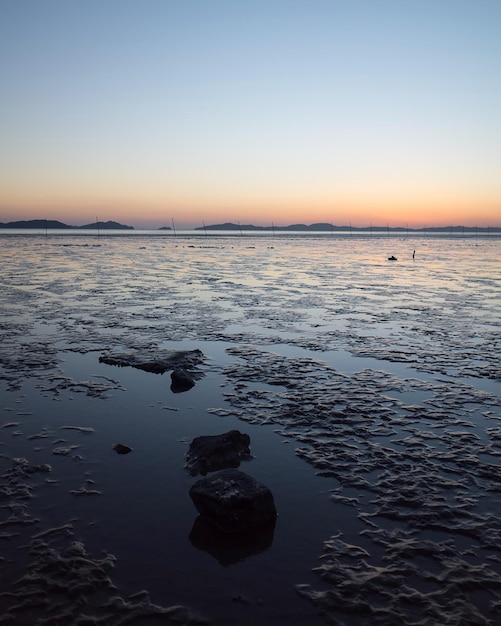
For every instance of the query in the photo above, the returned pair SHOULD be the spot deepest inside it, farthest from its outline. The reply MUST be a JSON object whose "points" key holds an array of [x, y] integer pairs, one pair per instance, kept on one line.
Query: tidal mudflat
{"points": [[370, 391]]}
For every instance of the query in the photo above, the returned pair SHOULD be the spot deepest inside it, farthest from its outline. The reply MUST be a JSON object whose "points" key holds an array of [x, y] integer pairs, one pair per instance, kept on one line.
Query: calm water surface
{"points": [[350, 373]]}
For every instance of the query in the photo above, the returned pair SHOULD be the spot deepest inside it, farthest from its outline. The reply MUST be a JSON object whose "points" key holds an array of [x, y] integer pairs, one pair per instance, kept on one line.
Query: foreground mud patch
{"points": [[423, 481], [57, 581]]}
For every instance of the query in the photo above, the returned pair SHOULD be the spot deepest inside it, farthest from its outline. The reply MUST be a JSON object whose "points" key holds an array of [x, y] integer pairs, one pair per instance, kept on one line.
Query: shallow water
{"points": [[370, 390]]}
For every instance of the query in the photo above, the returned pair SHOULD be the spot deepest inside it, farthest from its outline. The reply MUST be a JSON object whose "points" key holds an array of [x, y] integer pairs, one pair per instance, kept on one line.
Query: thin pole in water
{"points": [[239, 228], [97, 225], [173, 227], [205, 229], [46, 227], [273, 228]]}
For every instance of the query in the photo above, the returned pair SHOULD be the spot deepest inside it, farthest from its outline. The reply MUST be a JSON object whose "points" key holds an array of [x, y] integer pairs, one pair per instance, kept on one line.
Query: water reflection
{"points": [[229, 549], [376, 371]]}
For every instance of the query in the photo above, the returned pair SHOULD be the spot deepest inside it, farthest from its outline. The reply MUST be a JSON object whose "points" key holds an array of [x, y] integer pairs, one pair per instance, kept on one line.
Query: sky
{"points": [[265, 111]]}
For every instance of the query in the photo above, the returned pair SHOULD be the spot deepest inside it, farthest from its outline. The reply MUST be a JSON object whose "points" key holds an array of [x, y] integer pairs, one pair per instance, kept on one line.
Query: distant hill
{"points": [[322, 227], [230, 226], [107, 226], [292, 227], [35, 224], [56, 224]]}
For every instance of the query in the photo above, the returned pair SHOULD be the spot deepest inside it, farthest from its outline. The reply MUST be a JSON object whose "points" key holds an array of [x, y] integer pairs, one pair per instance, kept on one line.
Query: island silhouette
{"points": [[229, 226]]}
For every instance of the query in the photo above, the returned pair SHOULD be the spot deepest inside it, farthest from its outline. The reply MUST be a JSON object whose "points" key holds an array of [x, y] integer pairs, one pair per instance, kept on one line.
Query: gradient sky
{"points": [[144, 111]]}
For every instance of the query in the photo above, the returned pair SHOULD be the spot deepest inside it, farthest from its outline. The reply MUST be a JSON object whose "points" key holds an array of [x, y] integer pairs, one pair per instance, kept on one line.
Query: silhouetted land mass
{"points": [[322, 227], [229, 226], [34, 224], [57, 224], [107, 226]]}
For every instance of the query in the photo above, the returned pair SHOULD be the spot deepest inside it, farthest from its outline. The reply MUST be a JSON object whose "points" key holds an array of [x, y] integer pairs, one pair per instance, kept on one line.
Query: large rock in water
{"points": [[215, 452], [157, 362], [233, 501]]}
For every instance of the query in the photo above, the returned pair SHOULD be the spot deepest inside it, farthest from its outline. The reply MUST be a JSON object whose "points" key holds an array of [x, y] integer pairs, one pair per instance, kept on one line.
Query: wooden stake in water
{"points": [[240, 228], [173, 227], [205, 229], [97, 225], [46, 227]]}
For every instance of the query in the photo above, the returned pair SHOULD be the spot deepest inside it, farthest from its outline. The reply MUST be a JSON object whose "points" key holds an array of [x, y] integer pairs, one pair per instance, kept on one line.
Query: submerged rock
{"points": [[233, 501], [209, 453], [181, 381], [158, 362]]}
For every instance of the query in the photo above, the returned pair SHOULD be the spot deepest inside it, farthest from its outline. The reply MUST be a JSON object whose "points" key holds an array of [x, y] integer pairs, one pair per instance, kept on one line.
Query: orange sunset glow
{"points": [[272, 114]]}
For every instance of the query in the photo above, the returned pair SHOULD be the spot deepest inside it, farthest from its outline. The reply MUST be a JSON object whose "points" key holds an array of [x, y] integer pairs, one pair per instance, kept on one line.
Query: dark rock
{"points": [[233, 501], [215, 452], [120, 448], [181, 381], [43, 467], [392, 258], [157, 362]]}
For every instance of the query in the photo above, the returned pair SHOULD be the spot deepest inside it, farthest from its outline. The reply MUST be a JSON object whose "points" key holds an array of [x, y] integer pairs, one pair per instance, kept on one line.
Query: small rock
{"points": [[239, 597], [120, 448], [209, 453]]}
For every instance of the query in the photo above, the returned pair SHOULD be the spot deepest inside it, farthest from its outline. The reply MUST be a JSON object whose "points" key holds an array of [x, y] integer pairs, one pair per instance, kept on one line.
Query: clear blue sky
{"points": [[380, 110]]}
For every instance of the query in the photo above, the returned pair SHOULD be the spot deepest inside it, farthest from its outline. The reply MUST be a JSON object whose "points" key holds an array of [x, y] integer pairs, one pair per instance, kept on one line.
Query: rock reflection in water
{"points": [[229, 549]]}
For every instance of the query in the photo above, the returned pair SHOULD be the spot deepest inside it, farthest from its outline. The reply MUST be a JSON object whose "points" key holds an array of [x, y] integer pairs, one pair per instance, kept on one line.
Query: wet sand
{"points": [[371, 396]]}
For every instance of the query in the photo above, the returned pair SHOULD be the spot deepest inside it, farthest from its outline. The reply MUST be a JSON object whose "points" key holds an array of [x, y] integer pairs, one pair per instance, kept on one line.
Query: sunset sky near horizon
{"points": [[283, 111]]}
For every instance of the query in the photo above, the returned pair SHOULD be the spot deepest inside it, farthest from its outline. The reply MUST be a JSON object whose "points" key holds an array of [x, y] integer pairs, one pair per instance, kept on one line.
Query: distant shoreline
{"points": [[325, 227], [229, 226], [46, 224]]}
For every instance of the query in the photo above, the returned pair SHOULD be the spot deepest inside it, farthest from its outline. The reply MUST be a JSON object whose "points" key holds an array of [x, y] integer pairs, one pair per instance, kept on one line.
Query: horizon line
{"points": [[113, 225]]}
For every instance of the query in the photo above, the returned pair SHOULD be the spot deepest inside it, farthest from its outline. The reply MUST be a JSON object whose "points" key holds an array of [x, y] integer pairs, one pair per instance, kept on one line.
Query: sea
{"points": [[365, 368]]}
